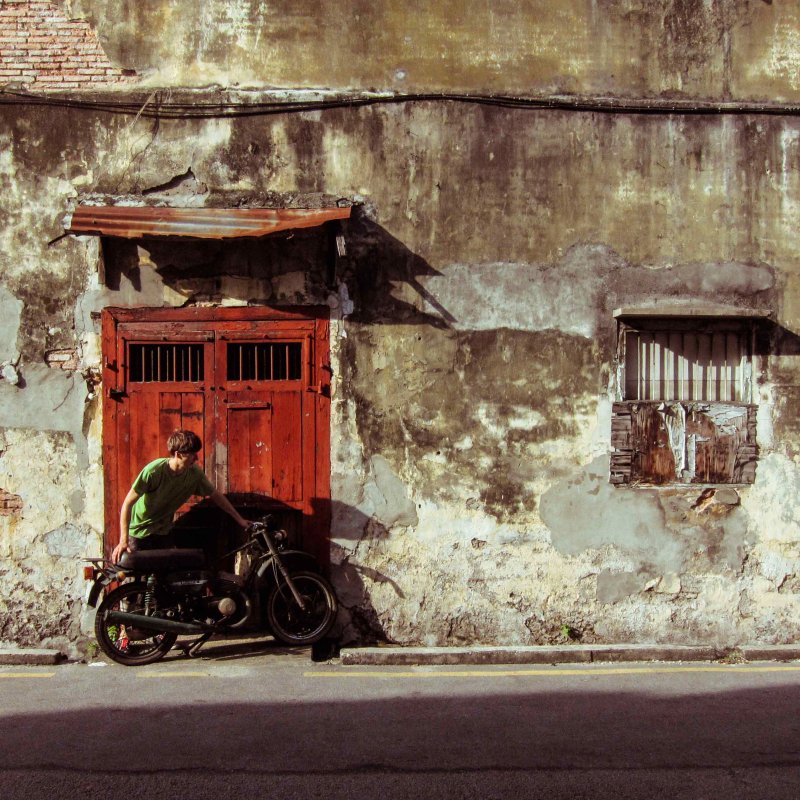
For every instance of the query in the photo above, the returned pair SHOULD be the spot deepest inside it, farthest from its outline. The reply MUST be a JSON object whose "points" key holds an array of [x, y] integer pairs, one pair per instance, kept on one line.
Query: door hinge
{"points": [[116, 394]]}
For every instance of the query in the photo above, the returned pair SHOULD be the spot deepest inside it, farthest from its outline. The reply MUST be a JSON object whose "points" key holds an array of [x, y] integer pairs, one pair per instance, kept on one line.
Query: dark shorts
{"points": [[165, 542]]}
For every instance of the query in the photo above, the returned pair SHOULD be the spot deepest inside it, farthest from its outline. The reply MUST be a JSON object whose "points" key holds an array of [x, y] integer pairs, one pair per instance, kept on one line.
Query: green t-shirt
{"points": [[161, 493]]}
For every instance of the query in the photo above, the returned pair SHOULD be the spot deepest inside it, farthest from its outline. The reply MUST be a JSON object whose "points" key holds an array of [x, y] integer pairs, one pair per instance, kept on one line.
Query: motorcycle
{"points": [[151, 597]]}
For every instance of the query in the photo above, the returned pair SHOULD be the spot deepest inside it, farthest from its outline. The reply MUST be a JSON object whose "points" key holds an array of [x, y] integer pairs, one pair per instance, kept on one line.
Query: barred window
{"points": [[685, 413], [162, 363], [265, 361], [711, 365]]}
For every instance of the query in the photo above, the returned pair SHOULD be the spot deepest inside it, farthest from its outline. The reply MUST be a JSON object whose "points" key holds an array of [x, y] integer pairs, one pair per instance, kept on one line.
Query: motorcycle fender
{"points": [[94, 593]]}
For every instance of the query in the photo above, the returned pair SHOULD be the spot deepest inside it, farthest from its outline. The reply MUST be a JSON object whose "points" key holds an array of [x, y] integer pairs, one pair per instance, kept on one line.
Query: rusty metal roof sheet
{"points": [[134, 222]]}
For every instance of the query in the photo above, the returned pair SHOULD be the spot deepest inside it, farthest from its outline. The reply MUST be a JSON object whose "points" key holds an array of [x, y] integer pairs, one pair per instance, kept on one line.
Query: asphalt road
{"points": [[263, 722]]}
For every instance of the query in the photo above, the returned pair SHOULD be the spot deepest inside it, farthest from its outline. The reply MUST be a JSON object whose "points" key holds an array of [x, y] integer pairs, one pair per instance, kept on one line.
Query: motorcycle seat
{"points": [[163, 560]]}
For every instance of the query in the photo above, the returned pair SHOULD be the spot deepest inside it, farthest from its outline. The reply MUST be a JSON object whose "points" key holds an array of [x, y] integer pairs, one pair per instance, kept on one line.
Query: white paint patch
{"points": [[771, 503], [783, 59], [530, 297], [523, 418]]}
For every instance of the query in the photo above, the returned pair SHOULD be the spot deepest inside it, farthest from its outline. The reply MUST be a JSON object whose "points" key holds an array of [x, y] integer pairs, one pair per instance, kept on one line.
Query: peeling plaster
{"points": [[386, 497], [587, 513], [52, 400], [10, 315]]}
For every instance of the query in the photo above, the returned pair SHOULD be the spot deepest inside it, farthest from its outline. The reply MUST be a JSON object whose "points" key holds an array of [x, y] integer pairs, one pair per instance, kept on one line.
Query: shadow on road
{"points": [[411, 739]]}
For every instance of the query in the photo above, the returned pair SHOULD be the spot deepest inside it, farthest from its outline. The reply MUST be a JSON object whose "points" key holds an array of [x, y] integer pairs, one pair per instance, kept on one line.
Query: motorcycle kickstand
{"points": [[192, 649]]}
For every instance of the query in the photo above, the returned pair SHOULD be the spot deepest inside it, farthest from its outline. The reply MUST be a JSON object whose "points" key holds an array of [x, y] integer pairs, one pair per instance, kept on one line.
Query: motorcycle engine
{"points": [[226, 606]]}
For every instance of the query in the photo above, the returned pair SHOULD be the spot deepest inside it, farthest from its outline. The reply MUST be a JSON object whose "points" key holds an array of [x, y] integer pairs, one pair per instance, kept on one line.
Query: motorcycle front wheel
{"points": [[295, 625], [126, 644]]}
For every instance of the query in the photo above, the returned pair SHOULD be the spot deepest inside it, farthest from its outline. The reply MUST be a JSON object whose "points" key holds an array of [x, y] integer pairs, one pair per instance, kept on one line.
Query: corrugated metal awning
{"points": [[134, 222]]}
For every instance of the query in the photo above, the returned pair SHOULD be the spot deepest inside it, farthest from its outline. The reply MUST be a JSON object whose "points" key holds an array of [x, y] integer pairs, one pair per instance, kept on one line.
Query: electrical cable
{"points": [[156, 106]]}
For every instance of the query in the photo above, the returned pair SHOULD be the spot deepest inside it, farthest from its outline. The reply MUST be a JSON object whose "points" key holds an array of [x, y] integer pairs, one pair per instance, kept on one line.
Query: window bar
{"points": [[680, 366], [656, 373], [719, 360], [690, 354], [734, 346], [703, 365]]}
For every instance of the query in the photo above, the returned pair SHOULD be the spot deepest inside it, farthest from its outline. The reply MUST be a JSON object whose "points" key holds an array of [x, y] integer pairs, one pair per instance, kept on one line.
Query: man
{"points": [[161, 488]]}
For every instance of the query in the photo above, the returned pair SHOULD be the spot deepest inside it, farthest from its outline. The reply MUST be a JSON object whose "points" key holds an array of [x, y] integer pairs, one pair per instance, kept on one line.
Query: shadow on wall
{"points": [[351, 579], [198, 268], [210, 528]]}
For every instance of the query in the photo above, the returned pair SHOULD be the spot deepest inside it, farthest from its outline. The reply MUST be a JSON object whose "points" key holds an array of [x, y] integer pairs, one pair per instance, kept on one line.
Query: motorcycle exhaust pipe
{"points": [[157, 623]]}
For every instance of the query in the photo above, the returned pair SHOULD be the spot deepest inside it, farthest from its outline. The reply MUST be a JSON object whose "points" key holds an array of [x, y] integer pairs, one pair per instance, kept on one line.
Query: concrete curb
{"points": [[29, 656], [567, 654]]}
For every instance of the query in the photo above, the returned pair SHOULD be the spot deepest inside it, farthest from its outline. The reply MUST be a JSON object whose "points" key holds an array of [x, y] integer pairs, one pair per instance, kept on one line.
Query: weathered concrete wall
{"points": [[635, 48], [473, 337], [473, 354]]}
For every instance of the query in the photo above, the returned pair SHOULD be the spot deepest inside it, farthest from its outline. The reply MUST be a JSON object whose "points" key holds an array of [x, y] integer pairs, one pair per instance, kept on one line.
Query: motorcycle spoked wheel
{"points": [[125, 644], [292, 625]]}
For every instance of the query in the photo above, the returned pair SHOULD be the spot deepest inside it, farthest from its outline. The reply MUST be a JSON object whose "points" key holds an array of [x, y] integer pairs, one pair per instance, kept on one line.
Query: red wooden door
{"points": [[251, 382]]}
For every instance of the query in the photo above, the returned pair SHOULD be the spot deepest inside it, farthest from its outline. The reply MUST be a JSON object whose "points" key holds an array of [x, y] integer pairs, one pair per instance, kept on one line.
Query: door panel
{"points": [[287, 439], [249, 438]]}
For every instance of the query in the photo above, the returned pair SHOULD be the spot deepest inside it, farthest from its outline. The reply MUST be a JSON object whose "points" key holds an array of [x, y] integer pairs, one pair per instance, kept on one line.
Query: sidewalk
{"points": [[489, 654], [29, 656], [561, 654]]}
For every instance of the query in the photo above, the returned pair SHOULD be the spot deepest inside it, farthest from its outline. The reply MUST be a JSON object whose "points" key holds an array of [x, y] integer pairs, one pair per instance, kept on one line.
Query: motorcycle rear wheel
{"points": [[289, 622], [126, 645]]}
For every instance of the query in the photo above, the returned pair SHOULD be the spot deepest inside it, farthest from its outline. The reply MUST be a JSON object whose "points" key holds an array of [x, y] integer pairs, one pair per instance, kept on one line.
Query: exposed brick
{"points": [[40, 44], [10, 503], [62, 358]]}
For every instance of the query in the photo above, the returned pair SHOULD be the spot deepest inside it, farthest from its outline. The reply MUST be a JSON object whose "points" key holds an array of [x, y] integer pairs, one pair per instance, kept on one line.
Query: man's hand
{"points": [[116, 553]]}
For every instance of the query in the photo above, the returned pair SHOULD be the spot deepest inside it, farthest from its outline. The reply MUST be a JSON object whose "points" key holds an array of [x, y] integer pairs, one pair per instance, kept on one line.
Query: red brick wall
{"points": [[42, 49], [9, 503]]}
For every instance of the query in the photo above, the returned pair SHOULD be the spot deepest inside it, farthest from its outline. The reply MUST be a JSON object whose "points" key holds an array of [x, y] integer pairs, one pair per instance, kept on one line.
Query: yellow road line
{"points": [[171, 674], [576, 672], [27, 674]]}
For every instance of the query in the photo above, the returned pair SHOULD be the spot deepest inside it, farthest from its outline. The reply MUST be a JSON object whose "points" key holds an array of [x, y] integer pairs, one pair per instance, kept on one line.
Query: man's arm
{"points": [[124, 521], [220, 500]]}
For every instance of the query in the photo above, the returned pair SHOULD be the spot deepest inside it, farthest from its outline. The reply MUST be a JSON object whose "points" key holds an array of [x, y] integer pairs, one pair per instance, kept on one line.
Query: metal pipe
{"points": [[157, 623]]}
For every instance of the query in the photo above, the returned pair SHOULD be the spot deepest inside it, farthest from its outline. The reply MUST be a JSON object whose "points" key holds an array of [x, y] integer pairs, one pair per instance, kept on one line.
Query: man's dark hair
{"points": [[184, 442]]}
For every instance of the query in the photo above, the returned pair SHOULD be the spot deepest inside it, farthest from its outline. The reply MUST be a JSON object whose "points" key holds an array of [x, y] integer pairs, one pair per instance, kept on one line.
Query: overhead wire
{"points": [[166, 107]]}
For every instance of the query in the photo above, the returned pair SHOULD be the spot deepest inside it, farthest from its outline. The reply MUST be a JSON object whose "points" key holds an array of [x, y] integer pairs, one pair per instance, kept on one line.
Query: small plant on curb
{"points": [[570, 634], [91, 651], [733, 656]]}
